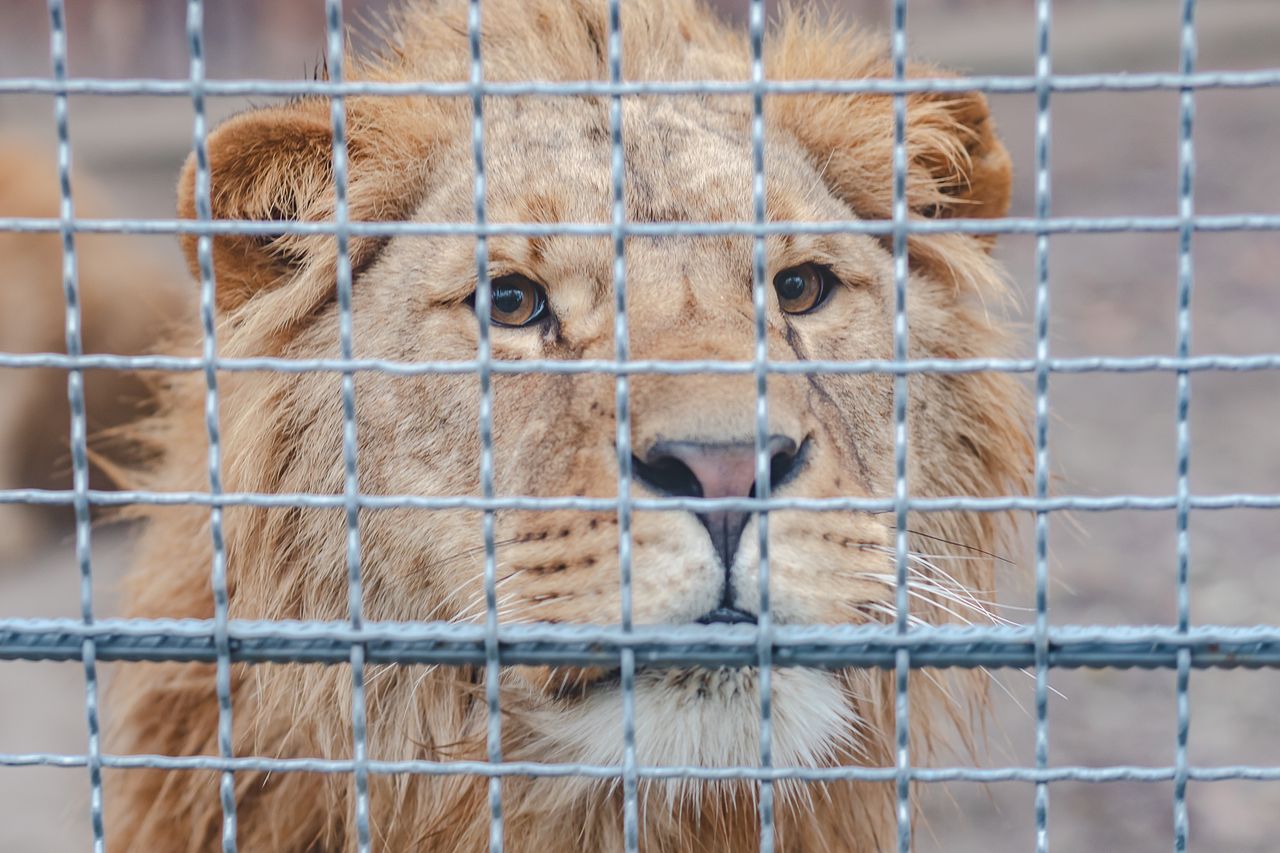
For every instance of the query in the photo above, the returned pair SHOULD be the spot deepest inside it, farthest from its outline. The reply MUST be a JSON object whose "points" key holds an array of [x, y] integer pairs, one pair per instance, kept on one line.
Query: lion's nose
{"points": [[715, 470]]}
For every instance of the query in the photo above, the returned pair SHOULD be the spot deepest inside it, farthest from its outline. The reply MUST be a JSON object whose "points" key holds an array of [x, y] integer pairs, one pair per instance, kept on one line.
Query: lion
{"points": [[827, 158], [128, 296]]}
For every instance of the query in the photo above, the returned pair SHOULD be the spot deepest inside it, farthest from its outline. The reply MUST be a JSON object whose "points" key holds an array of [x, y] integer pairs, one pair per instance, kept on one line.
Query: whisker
{"points": [[955, 544], [926, 584], [461, 587], [958, 558], [478, 603], [953, 590], [920, 559], [478, 599], [1005, 690], [966, 594], [889, 611], [1029, 674], [467, 552], [942, 689]]}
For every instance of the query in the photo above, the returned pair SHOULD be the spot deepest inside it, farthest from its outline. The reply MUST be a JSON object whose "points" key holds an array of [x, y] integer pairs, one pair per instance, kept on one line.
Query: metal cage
{"points": [[899, 646]]}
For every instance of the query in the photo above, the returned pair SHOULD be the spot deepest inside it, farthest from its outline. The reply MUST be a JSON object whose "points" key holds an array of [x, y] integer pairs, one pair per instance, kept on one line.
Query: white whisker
{"points": [[1006, 690], [435, 611], [920, 589], [1029, 674]]}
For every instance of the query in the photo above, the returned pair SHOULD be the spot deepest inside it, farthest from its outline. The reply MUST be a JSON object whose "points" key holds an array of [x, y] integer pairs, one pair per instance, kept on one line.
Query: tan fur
{"points": [[687, 159], [127, 301]]}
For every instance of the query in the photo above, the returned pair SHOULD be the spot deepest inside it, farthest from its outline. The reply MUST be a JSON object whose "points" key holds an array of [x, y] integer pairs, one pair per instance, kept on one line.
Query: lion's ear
{"points": [[273, 164], [957, 166], [975, 178], [276, 165]]}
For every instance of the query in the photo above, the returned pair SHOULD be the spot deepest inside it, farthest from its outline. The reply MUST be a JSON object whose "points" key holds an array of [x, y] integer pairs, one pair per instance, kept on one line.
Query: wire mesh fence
{"points": [[899, 646]]}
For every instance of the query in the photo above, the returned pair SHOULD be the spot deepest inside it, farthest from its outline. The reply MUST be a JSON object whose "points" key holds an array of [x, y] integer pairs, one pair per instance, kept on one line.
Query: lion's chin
{"points": [[703, 718]]}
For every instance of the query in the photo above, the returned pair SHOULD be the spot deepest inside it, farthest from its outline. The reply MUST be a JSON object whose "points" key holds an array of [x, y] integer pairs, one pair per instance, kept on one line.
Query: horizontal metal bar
{"points": [[1001, 84], [728, 228], [1088, 364], [983, 775], [655, 646], [1011, 503]]}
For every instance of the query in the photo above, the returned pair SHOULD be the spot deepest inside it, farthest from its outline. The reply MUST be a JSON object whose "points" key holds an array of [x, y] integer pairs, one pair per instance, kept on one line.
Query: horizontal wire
{"points": [[1073, 773], [727, 635], [1136, 223], [1085, 364], [820, 646], [995, 83], [303, 500]]}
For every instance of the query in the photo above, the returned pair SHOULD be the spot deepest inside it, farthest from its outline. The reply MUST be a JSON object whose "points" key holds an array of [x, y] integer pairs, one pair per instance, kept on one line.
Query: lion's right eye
{"points": [[516, 300], [804, 288]]}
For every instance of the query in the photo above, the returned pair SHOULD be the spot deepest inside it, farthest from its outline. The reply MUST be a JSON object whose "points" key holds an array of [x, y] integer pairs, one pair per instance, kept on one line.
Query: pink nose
{"points": [[718, 470], [712, 470]]}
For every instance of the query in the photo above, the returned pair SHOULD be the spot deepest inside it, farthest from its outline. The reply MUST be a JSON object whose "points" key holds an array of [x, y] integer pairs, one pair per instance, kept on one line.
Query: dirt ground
{"points": [[1112, 154]]}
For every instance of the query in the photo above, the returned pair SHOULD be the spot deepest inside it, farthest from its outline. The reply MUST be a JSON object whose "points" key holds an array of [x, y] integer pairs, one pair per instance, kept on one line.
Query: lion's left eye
{"points": [[804, 288]]}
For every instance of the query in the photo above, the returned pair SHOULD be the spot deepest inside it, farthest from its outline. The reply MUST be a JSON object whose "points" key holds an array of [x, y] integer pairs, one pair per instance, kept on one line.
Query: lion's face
{"points": [[688, 298], [829, 296]]}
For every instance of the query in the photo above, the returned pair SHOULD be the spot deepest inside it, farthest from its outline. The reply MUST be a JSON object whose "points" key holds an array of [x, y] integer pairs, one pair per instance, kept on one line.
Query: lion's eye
{"points": [[516, 301], [802, 289]]}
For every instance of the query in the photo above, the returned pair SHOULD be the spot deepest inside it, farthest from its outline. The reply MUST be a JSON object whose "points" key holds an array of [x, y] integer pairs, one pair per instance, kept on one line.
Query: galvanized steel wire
{"points": [[900, 646]]}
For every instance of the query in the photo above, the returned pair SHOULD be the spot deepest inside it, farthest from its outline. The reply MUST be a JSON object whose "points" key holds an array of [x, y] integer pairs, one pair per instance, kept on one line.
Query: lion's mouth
{"points": [[593, 679], [699, 682], [726, 616]]}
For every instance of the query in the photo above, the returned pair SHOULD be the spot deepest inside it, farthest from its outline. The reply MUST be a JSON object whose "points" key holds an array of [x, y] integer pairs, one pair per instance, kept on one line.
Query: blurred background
{"points": [[1113, 294]]}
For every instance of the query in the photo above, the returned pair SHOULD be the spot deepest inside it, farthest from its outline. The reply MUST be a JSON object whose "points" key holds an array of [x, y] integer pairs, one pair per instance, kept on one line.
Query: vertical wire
{"points": [[902, 659], [208, 320], [351, 483], [1186, 209], [75, 397], [622, 395], [484, 354], [1044, 20], [764, 633]]}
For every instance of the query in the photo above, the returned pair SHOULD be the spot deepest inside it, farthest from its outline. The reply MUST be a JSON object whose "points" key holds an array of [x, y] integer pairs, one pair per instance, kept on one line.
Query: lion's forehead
{"points": [[690, 160]]}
